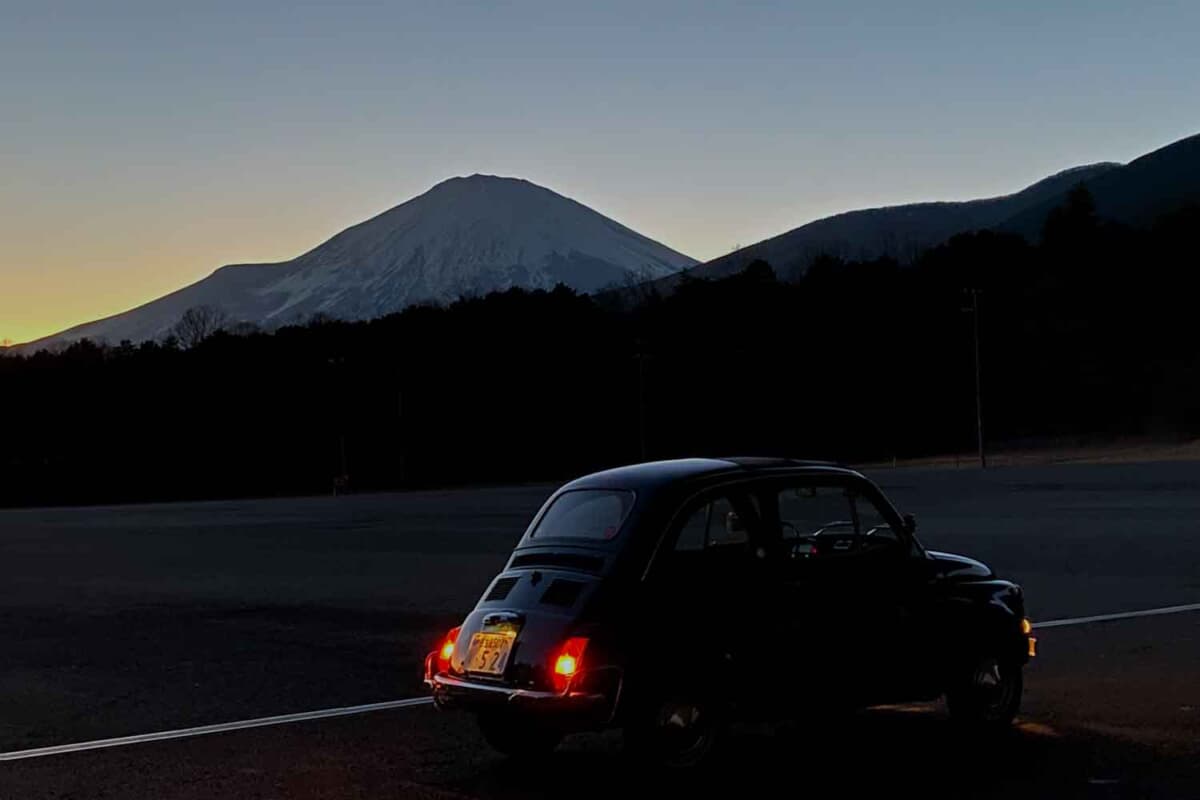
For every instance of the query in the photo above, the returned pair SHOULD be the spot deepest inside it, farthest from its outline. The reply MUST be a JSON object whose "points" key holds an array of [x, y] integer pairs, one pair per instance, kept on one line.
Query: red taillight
{"points": [[446, 651], [568, 662]]}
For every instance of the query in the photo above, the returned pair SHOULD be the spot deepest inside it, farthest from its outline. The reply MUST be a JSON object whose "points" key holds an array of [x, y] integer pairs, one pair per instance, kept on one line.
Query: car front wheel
{"points": [[518, 737], [987, 693]]}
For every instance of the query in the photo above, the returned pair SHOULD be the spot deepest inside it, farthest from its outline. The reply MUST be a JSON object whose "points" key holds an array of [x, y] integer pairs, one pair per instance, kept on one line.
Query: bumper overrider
{"points": [[454, 692]]}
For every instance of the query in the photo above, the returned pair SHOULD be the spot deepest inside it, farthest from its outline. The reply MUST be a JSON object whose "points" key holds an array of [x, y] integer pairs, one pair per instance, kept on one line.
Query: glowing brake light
{"points": [[566, 665], [447, 650], [568, 661]]}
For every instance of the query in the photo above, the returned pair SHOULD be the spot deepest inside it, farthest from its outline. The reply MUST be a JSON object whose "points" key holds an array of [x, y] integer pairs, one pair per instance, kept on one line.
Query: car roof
{"points": [[655, 474]]}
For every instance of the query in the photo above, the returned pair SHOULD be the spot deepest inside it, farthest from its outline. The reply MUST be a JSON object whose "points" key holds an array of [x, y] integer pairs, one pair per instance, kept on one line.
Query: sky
{"points": [[145, 144]]}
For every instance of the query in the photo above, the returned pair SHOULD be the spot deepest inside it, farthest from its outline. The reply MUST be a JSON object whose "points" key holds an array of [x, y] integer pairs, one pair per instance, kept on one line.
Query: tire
{"points": [[986, 694], [517, 737], [677, 732]]}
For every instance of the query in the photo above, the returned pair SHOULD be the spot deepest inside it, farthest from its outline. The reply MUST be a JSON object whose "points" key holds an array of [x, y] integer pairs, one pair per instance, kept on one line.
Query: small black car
{"points": [[671, 597]]}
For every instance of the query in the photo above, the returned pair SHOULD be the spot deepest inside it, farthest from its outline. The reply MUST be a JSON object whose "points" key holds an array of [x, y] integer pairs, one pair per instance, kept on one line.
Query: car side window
{"points": [[810, 510], [715, 523], [694, 533], [873, 526], [819, 521]]}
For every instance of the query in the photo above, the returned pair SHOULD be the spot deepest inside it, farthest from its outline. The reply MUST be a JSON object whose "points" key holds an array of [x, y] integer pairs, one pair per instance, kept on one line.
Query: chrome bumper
{"points": [[452, 692]]}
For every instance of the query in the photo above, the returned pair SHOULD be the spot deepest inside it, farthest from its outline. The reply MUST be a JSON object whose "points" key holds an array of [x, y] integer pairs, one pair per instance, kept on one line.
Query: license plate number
{"points": [[488, 653]]}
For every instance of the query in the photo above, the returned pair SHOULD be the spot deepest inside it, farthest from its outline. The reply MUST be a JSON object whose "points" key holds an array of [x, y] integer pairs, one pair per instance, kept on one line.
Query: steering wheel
{"points": [[829, 527], [829, 531]]}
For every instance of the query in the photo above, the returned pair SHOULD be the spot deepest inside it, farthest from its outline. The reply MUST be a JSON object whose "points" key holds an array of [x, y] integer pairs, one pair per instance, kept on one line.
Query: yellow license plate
{"points": [[488, 653]]}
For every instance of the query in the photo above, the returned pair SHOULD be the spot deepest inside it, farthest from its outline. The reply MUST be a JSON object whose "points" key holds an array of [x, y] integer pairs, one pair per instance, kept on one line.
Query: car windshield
{"points": [[585, 514]]}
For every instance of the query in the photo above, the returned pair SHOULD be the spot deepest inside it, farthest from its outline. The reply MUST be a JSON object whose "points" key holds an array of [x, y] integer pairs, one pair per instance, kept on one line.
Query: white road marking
{"points": [[262, 722], [1150, 612], [184, 733]]}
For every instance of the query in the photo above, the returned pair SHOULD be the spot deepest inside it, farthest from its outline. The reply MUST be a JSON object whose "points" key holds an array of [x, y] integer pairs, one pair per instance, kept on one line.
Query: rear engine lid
{"points": [[554, 591], [519, 624]]}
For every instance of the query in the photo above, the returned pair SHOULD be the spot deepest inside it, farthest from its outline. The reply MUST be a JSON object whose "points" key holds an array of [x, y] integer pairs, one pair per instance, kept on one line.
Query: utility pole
{"points": [[978, 377]]}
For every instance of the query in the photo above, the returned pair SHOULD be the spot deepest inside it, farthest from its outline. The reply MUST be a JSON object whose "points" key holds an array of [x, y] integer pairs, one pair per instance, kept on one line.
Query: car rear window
{"points": [[585, 514]]}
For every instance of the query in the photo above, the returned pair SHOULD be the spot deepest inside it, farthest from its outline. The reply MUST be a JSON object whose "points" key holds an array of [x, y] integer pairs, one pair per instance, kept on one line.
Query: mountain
{"points": [[468, 235], [897, 231], [1136, 194]]}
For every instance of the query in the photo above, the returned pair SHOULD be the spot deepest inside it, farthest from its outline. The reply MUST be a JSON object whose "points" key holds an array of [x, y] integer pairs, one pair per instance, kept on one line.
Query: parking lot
{"points": [[126, 620]]}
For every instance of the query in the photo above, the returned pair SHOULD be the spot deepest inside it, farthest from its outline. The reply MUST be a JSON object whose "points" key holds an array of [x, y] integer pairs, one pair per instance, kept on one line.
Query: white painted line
{"points": [[203, 730], [1150, 612]]}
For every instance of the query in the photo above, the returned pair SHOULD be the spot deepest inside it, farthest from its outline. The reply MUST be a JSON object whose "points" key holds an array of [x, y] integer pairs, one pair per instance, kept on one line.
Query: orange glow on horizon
{"points": [[58, 275]]}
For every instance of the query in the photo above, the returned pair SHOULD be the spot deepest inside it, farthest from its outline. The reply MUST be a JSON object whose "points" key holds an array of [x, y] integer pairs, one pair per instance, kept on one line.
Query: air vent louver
{"points": [[500, 589], [561, 593]]}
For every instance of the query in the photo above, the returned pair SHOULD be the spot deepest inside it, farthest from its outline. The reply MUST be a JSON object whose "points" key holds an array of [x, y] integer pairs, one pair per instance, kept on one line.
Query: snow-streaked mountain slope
{"points": [[464, 236]]}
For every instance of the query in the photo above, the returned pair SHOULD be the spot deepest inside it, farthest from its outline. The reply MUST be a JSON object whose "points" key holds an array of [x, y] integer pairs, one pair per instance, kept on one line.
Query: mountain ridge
{"points": [[468, 235], [465, 235], [1135, 193], [1163, 180], [899, 231]]}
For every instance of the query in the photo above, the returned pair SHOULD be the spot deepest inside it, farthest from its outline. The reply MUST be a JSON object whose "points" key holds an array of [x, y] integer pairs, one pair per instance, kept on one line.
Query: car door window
{"points": [[713, 524], [874, 528], [820, 521], [806, 511]]}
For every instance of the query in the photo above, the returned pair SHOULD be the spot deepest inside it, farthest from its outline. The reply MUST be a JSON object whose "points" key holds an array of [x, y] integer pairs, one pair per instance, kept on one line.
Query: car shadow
{"points": [[910, 751]]}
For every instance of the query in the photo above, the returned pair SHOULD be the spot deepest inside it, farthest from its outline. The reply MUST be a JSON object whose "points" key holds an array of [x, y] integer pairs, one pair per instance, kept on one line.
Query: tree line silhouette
{"points": [[1089, 331]]}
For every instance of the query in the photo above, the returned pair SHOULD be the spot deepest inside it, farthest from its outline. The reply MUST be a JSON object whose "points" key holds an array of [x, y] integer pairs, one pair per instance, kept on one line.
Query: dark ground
{"points": [[121, 620]]}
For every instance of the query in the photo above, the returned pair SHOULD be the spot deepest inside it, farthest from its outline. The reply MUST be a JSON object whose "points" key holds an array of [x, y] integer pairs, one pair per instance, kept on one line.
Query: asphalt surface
{"points": [[126, 620]]}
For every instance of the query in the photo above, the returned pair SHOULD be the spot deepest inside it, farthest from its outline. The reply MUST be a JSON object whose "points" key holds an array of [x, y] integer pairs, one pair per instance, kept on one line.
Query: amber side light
{"points": [[1026, 627]]}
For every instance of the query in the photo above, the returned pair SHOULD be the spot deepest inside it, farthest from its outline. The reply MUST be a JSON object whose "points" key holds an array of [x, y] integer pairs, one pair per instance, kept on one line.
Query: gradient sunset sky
{"points": [[144, 144]]}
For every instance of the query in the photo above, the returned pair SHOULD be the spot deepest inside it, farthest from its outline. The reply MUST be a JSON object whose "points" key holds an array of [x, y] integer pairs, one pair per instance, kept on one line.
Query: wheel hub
{"points": [[681, 717], [988, 676]]}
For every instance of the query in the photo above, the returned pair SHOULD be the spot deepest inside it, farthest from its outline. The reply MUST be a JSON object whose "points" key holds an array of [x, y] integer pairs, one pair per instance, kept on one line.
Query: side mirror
{"points": [[910, 524]]}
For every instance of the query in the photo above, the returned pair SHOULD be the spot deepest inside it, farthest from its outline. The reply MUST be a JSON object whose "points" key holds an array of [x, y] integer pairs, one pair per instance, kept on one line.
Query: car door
{"points": [[844, 589], [708, 594], [893, 580]]}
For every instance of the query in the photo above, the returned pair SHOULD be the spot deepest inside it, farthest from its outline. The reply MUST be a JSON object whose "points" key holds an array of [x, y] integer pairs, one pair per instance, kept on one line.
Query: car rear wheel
{"points": [[987, 693], [678, 732], [518, 737]]}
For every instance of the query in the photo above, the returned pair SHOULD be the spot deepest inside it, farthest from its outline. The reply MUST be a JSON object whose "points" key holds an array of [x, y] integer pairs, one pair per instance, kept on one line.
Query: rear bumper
{"points": [[571, 708], [451, 692]]}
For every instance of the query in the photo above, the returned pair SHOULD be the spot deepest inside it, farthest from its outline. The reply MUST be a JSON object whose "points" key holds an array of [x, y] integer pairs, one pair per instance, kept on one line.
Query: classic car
{"points": [[670, 598]]}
